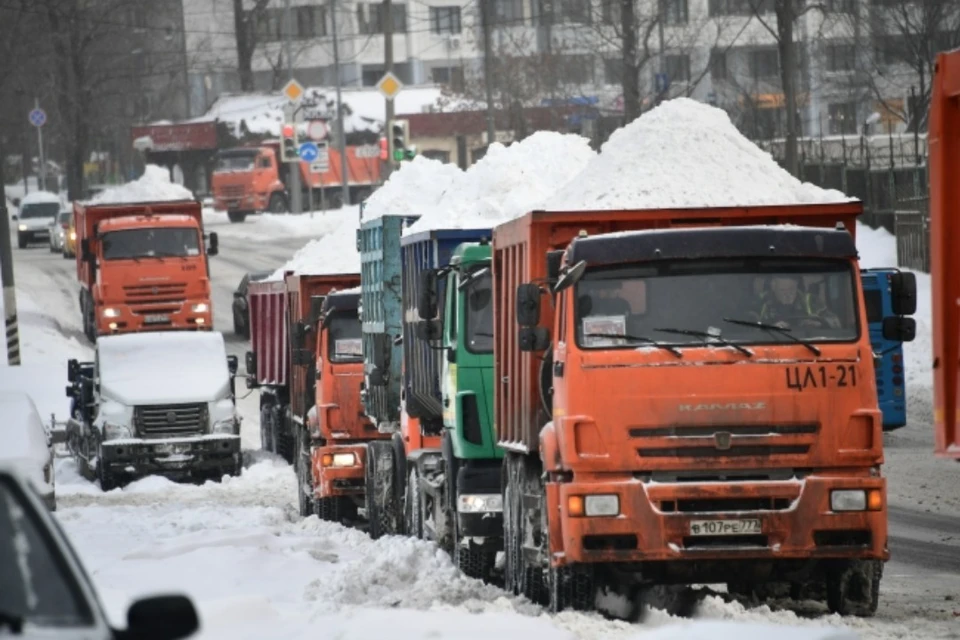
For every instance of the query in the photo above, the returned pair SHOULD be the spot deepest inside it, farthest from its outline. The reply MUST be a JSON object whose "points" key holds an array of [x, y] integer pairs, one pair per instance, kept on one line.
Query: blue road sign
{"points": [[38, 117], [309, 151]]}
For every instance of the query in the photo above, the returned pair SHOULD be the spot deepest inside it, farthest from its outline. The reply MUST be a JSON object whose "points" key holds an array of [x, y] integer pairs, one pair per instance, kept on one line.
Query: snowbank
{"points": [[683, 153], [21, 428], [507, 182], [418, 187], [335, 253], [153, 186]]}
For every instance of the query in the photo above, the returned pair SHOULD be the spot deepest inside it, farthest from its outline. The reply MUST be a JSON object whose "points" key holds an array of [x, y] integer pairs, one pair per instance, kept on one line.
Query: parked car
{"points": [[26, 444], [38, 210], [241, 310], [45, 591], [59, 229]]}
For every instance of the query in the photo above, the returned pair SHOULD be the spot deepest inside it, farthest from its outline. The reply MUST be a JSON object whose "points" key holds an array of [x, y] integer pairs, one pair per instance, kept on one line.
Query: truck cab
{"points": [[247, 180]]}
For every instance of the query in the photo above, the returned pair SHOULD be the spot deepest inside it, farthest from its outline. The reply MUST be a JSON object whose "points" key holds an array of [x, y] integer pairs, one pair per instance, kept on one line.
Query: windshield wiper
{"points": [[705, 335], [772, 327], [627, 336], [11, 621]]}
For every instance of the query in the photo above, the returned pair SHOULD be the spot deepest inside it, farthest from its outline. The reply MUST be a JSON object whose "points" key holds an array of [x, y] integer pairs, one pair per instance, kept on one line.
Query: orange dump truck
{"points": [[143, 267], [944, 140], [252, 179], [687, 396]]}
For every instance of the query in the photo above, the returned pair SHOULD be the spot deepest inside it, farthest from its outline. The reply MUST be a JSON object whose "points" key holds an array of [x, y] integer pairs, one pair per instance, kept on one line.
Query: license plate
{"points": [[724, 527], [233, 205], [156, 318]]}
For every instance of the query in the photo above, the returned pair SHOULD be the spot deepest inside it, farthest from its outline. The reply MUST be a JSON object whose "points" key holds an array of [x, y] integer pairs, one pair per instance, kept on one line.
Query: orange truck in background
{"points": [[663, 429], [250, 180], [143, 267], [944, 163]]}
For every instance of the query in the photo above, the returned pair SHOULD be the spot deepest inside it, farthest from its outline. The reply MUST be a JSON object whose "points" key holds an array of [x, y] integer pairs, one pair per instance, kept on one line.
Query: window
{"points": [[841, 57], [841, 6], [450, 76], [843, 117], [309, 21], [436, 154], [576, 69], [445, 19], [740, 7], [344, 342], [479, 317], [159, 242], [508, 12], [370, 76], [676, 11], [372, 17], [890, 50], [718, 64], [873, 300], [678, 68], [764, 63], [547, 12], [613, 70], [610, 11]]}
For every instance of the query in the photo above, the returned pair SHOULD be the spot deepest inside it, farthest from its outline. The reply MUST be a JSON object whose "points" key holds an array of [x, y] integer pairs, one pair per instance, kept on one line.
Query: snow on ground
{"points": [[268, 226], [153, 186], [683, 153]]}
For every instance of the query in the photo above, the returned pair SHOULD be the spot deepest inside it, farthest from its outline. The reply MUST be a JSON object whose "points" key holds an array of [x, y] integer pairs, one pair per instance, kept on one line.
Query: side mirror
{"points": [[162, 617], [73, 370], [570, 276], [233, 363], [16, 203], [14, 217], [903, 285], [428, 330], [427, 296], [214, 244], [534, 339], [69, 390], [251, 363], [899, 329], [554, 260], [528, 305], [316, 307]]}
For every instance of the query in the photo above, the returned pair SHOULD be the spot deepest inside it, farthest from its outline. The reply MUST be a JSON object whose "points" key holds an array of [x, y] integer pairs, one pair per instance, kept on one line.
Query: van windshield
{"points": [[692, 302], [39, 210], [150, 243]]}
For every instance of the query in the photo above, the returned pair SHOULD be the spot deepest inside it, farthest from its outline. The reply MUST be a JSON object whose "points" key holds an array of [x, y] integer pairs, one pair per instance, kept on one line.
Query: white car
{"points": [[59, 229], [25, 443], [38, 210]]}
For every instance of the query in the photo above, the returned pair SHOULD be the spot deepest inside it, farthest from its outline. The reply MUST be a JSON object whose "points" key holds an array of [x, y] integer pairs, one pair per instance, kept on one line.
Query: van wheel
{"points": [[277, 204], [237, 216]]}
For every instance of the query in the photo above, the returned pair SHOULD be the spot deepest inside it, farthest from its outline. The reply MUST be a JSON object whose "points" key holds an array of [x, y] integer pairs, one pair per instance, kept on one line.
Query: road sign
{"points": [[389, 86], [309, 151], [317, 129], [322, 162], [293, 90], [38, 117]]}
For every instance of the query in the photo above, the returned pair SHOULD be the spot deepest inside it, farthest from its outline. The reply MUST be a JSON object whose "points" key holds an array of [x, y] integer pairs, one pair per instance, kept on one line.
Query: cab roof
{"points": [[140, 220]]}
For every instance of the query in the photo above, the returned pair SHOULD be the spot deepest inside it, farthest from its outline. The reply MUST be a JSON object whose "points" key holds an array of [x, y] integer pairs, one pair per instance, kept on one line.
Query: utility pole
{"points": [[661, 17], [341, 135], [294, 177], [43, 162], [487, 72], [388, 68], [6, 275]]}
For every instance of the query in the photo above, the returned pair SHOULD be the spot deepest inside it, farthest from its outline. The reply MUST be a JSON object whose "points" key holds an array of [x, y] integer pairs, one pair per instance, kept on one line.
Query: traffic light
{"points": [[289, 144], [400, 148], [384, 149]]}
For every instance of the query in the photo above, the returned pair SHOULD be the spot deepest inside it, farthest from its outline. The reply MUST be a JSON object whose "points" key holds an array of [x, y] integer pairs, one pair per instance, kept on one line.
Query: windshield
{"points": [[479, 321], [344, 338], [40, 210], [806, 299], [65, 217], [873, 300], [151, 243], [236, 162], [35, 583]]}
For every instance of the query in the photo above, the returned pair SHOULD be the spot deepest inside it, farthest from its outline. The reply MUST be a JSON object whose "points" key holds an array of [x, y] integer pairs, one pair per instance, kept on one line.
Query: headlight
{"points": [[481, 503], [338, 460], [73, 235], [22, 227], [200, 307], [224, 427], [116, 431], [594, 505], [110, 312], [856, 500]]}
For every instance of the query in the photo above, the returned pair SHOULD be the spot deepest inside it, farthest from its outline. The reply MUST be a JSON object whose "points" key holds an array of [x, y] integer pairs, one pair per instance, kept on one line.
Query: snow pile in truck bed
{"points": [[153, 186], [683, 153], [508, 181], [416, 188]]}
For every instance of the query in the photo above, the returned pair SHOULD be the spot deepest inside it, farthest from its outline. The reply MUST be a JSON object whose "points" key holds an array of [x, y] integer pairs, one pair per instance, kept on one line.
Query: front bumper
{"points": [[654, 523], [329, 481], [171, 456], [244, 203], [160, 317], [34, 235]]}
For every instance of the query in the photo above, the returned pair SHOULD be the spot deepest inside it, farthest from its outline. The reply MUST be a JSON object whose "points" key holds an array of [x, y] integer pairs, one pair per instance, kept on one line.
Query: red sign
{"points": [[178, 137]]}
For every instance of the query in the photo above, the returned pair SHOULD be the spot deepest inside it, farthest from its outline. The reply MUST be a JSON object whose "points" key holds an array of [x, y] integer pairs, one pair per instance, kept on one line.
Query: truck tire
{"points": [[329, 508], [108, 480], [237, 216], [285, 434], [522, 578], [412, 508], [383, 509], [266, 424], [853, 587], [277, 203], [302, 465], [472, 562], [572, 587]]}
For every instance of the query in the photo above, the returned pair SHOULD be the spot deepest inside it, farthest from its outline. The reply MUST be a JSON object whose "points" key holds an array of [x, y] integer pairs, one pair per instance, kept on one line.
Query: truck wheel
{"points": [[472, 561], [108, 480], [266, 425], [853, 588], [572, 587], [412, 512], [283, 434], [304, 476], [237, 216], [329, 508], [383, 510], [277, 204], [520, 577]]}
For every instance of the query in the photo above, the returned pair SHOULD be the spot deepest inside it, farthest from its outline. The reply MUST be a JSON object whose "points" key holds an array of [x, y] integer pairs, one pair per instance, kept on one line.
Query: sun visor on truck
{"points": [[347, 301], [713, 242]]}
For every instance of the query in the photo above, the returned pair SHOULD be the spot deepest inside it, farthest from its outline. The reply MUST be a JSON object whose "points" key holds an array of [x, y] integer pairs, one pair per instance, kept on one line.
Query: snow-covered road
{"points": [[256, 569]]}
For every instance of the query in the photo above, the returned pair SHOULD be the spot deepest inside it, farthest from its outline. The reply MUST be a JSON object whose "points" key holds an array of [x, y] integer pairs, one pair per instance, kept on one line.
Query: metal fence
{"points": [[912, 229]]}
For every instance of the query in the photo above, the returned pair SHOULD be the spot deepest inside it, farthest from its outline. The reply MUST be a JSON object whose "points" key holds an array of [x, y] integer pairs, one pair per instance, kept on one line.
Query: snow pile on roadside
{"points": [[416, 188], [333, 254], [683, 153], [153, 186], [508, 182], [270, 226]]}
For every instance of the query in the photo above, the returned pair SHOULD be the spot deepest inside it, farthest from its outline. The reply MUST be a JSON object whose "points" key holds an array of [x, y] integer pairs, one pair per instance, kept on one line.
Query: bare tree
{"points": [[247, 24]]}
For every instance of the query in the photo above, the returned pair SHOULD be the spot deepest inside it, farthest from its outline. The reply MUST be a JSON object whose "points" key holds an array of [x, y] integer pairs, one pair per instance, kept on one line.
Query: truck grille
{"points": [[233, 191], [708, 441], [165, 292], [166, 420]]}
